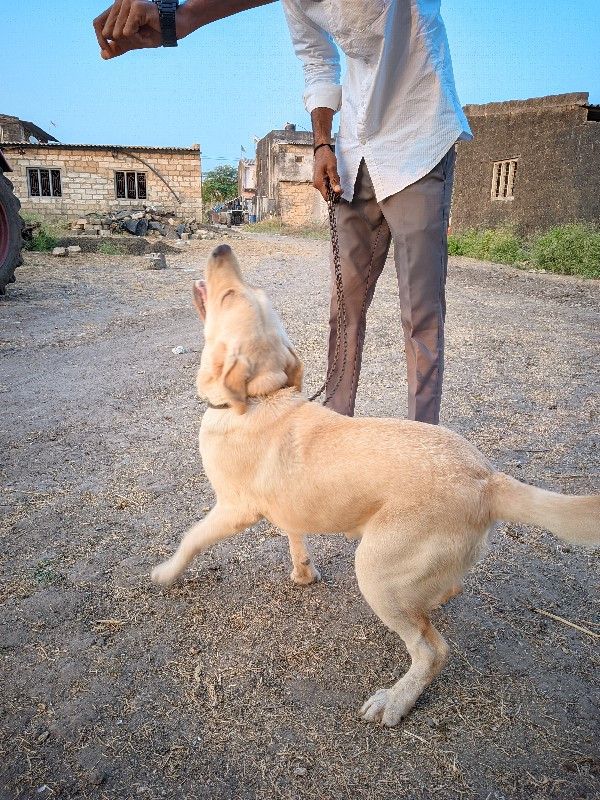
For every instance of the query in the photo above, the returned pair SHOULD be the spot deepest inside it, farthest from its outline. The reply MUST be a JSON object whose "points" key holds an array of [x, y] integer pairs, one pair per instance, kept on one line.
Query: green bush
{"points": [[572, 249], [502, 245], [111, 249], [41, 235], [42, 241]]}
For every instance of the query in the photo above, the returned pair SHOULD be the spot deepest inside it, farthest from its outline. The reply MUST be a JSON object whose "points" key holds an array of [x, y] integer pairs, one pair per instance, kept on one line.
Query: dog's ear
{"points": [[236, 374], [199, 295], [294, 371]]}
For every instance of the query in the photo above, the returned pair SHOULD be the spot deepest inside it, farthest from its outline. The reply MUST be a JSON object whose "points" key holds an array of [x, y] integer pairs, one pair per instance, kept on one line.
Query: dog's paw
{"points": [[164, 574], [306, 575], [388, 706], [373, 709]]}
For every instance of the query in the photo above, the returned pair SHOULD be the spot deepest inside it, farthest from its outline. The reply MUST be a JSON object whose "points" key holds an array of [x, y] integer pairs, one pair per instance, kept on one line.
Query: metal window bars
{"points": [[503, 179]]}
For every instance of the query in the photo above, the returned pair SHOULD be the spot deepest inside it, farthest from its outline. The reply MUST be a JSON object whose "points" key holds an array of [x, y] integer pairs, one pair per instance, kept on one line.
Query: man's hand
{"points": [[325, 166], [127, 25], [325, 172], [135, 24]]}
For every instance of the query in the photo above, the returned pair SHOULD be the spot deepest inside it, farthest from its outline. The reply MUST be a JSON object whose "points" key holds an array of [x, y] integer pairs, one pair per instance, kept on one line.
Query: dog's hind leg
{"points": [[221, 522], [454, 591], [401, 598], [304, 571]]}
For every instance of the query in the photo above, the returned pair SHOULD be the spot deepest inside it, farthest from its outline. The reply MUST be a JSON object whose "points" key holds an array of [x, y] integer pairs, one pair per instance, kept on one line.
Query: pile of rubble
{"points": [[146, 221]]}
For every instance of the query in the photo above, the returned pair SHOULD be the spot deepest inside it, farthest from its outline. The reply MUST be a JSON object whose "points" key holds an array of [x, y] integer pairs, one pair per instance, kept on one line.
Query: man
{"points": [[393, 165]]}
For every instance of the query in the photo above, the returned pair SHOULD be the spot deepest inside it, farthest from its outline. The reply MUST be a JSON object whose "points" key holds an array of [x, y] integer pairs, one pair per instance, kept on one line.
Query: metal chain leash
{"points": [[332, 200], [341, 327]]}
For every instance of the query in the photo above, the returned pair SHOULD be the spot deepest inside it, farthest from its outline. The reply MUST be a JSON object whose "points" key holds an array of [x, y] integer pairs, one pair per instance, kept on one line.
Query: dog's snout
{"points": [[221, 250]]}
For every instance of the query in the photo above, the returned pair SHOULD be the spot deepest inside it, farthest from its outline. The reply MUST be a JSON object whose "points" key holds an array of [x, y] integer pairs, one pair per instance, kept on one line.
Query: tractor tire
{"points": [[11, 227]]}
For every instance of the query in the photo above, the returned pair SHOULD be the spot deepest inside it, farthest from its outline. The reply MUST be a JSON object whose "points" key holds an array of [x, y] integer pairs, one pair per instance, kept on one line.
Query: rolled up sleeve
{"points": [[320, 60]]}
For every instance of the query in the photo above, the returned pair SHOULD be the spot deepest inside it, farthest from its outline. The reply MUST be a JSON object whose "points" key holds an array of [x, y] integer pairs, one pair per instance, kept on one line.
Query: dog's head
{"points": [[246, 351]]}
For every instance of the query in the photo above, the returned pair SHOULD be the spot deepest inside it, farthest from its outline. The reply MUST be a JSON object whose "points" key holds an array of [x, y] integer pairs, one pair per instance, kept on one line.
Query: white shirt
{"points": [[399, 107]]}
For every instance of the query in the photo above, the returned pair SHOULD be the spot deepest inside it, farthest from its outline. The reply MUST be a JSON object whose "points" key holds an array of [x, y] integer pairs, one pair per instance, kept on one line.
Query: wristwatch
{"points": [[166, 13]]}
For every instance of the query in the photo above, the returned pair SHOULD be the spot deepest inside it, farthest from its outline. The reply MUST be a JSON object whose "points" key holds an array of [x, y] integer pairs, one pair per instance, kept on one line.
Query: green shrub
{"points": [[111, 249], [41, 235], [42, 241], [502, 245], [572, 249]]}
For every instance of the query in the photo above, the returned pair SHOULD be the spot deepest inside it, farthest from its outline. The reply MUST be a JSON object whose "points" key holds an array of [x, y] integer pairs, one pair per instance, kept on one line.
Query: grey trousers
{"points": [[417, 220]]}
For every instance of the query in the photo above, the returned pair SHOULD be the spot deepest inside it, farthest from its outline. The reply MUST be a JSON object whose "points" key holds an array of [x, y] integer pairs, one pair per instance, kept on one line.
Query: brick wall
{"points": [[300, 204], [88, 178]]}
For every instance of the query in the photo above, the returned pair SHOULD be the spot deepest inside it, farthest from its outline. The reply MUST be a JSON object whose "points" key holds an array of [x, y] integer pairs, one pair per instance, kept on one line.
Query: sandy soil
{"points": [[235, 684]]}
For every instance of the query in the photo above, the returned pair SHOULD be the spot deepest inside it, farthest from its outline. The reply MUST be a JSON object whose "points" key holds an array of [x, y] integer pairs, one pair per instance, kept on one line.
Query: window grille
{"points": [[44, 182], [503, 179], [130, 185]]}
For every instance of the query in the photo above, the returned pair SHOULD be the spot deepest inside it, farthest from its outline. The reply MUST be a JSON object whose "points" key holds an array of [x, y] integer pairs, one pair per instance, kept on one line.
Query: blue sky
{"points": [[239, 78]]}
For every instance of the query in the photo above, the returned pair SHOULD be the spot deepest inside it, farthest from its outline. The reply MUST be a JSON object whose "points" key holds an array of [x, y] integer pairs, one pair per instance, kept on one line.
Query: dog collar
{"points": [[217, 408]]}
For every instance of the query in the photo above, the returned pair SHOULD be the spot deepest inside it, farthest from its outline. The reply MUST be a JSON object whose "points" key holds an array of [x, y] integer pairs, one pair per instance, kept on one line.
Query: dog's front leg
{"points": [[304, 572], [221, 522]]}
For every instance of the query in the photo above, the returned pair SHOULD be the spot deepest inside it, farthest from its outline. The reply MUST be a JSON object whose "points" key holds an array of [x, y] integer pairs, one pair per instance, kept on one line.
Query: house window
{"points": [[130, 185], [44, 182], [503, 179]]}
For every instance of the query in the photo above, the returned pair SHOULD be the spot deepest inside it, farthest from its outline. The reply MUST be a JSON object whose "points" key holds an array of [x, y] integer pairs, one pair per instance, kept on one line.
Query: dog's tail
{"points": [[574, 519]]}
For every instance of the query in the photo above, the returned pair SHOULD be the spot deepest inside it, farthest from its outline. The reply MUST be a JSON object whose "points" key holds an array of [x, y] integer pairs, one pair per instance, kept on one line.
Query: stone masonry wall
{"points": [[557, 148], [88, 178]]}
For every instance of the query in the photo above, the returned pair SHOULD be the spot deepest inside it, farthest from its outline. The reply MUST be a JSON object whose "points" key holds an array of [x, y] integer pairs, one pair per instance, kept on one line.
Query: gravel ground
{"points": [[235, 684]]}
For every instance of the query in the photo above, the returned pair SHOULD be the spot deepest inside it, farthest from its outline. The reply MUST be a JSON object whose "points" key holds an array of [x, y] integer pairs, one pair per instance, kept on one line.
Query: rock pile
{"points": [[146, 221]]}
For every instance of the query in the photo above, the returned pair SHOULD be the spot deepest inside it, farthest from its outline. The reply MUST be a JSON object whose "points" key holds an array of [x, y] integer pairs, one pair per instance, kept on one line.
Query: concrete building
{"points": [[284, 165], [13, 129], [69, 180], [532, 164], [247, 180]]}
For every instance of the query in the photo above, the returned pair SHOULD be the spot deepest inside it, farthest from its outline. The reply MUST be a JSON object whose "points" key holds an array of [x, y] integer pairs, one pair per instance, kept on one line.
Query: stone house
{"points": [[284, 164], [532, 164], [71, 180]]}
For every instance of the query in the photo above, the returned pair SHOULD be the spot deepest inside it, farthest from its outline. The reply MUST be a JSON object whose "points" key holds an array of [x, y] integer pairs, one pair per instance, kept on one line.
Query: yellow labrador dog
{"points": [[420, 498]]}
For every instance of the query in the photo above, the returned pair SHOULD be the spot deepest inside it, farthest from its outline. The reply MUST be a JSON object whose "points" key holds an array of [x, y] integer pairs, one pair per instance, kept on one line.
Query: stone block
{"points": [[60, 251], [156, 261]]}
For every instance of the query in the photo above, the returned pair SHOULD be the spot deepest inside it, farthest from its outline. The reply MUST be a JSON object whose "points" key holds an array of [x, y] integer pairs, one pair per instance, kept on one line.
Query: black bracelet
{"points": [[324, 144]]}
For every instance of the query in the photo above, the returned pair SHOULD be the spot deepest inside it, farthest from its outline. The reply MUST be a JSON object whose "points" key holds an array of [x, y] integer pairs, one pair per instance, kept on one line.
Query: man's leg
{"points": [[364, 240], [418, 219]]}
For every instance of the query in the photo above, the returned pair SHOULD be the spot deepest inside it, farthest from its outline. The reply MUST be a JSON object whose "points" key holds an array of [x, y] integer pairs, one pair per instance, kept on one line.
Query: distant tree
{"points": [[220, 184]]}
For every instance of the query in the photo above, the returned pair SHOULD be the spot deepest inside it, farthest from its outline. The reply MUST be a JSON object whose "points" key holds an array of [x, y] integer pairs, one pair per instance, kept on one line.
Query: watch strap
{"points": [[166, 13]]}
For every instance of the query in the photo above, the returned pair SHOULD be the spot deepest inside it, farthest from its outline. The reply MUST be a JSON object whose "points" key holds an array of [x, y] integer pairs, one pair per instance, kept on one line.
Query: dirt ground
{"points": [[235, 684]]}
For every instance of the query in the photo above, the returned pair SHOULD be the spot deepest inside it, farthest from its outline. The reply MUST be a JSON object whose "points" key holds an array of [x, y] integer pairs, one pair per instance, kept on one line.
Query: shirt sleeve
{"points": [[320, 60]]}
